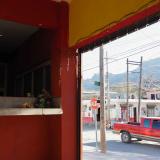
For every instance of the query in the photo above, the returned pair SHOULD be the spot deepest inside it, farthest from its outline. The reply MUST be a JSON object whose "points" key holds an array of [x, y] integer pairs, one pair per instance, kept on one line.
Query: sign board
{"points": [[96, 83], [94, 103]]}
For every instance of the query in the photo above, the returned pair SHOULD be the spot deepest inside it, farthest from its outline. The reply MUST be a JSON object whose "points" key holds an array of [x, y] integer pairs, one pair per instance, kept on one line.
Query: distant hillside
{"points": [[150, 69]]}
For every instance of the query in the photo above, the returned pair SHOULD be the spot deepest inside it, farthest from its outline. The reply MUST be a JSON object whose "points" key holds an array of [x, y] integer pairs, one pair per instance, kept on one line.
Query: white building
{"points": [[120, 112]]}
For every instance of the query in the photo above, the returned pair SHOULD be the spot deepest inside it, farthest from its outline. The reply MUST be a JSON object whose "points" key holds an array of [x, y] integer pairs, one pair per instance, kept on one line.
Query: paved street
{"points": [[143, 150]]}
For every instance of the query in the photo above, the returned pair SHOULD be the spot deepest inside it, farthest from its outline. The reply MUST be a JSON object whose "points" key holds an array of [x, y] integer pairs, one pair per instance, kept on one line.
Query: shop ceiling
{"points": [[12, 35], [88, 19]]}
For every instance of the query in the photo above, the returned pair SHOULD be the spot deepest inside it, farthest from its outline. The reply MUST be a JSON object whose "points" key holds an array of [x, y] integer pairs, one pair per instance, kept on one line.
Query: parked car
{"points": [[148, 129]]}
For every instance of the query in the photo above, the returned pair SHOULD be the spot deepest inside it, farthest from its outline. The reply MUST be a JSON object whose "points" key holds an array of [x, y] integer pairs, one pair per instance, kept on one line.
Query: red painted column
{"points": [[70, 107], [66, 85]]}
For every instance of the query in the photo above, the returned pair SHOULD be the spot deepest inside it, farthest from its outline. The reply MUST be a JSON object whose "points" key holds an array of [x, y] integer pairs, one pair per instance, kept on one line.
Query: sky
{"points": [[144, 42]]}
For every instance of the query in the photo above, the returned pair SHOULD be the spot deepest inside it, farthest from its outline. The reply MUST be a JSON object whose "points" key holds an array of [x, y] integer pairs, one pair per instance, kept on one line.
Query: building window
{"points": [[47, 78], [28, 84], [38, 81], [158, 96], [3, 78], [153, 96], [150, 110], [147, 123], [19, 87], [31, 83]]}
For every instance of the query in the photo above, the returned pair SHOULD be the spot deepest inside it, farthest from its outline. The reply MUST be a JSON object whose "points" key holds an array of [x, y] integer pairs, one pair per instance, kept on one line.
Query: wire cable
{"points": [[139, 47], [123, 57], [130, 50]]}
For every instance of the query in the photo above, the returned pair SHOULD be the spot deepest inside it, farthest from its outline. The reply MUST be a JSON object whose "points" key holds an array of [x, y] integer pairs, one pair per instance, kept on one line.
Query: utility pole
{"points": [[108, 94], [139, 88], [128, 111], [139, 92], [102, 103]]}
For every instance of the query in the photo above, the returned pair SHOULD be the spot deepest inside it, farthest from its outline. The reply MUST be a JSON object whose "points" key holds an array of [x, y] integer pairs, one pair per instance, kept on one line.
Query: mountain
{"points": [[150, 69]]}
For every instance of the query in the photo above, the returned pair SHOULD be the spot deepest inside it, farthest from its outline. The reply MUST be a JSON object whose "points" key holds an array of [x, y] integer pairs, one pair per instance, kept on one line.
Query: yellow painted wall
{"points": [[89, 17]]}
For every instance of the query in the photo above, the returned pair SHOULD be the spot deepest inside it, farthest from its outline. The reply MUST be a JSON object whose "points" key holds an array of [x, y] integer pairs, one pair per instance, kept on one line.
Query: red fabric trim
{"points": [[139, 16]]}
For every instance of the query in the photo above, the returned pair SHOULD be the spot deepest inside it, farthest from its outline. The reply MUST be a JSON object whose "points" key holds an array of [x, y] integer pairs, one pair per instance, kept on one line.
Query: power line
{"points": [[123, 57], [132, 50], [134, 53], [139, 47]]}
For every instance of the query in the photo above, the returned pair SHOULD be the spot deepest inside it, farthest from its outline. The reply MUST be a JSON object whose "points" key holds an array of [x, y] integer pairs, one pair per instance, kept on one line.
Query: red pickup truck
{"points": [[148, 129]]}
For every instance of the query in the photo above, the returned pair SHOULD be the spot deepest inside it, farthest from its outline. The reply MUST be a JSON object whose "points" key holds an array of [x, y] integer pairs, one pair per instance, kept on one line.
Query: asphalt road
{"points": [[116, 150]]}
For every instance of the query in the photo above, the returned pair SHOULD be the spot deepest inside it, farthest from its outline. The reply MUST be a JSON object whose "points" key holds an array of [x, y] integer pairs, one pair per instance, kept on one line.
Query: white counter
{"points": [[30, 111]]}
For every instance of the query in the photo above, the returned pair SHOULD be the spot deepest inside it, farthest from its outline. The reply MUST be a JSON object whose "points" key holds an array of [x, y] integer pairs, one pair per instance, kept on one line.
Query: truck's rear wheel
{"points": [[125, 137]]}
